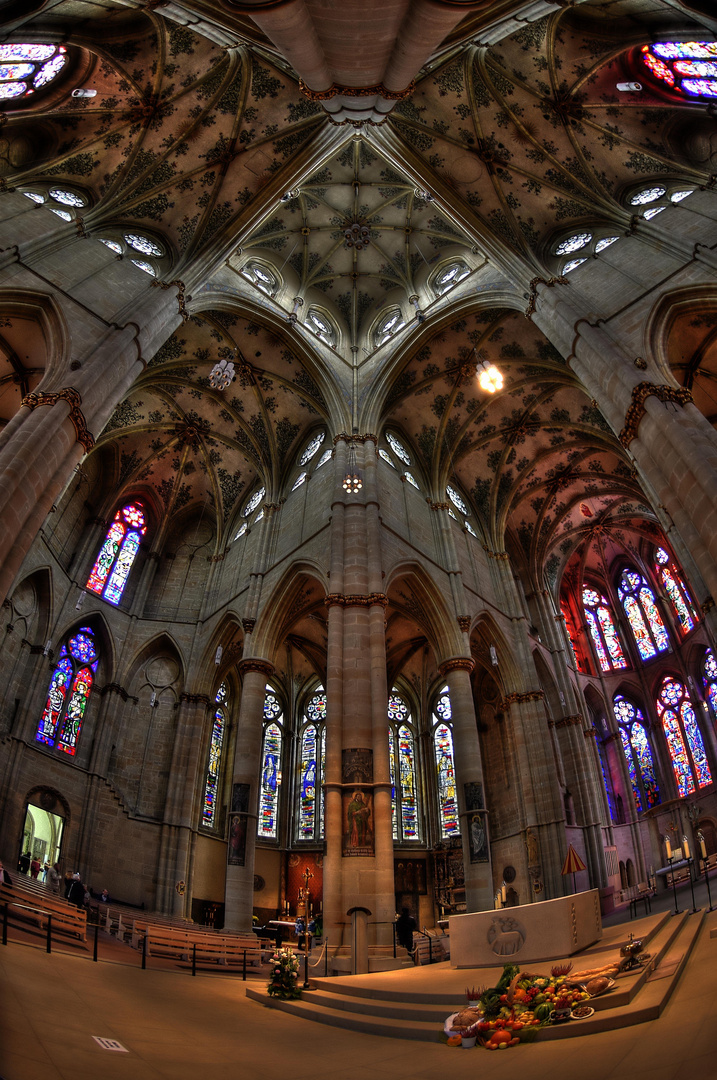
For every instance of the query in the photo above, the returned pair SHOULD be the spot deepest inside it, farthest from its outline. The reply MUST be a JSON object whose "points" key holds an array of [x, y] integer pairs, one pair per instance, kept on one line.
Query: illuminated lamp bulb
{"points": [[221, 375], [352, 482], [489, 378]]}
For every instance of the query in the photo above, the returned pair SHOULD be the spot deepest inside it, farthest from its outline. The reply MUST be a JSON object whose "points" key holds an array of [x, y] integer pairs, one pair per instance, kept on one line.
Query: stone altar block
{"points": [[548, 930]]}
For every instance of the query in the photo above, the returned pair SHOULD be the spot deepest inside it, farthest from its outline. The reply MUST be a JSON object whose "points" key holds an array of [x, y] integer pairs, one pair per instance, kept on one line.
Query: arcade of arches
{"points": [[284, 586]]}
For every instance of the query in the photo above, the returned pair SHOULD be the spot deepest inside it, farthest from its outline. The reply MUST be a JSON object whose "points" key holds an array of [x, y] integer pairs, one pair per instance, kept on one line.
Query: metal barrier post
{"points": [[94, 954], [394, 940], [144, 951], [326, 958], [49, 933], [243, 967], [4, 924], [194, 958]]}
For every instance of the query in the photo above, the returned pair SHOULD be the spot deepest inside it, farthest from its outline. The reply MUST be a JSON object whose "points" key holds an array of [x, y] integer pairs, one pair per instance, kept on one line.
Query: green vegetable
{"points": [[542, 1012], [509, 973]]}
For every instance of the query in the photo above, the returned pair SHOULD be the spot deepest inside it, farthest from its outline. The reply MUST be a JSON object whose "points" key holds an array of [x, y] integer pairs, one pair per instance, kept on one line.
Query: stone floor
{"points": [[174, 1026]]}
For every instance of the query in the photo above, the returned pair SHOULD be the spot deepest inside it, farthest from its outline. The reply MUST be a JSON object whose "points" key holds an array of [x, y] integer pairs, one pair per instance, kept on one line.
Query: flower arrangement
{"points": [[284, 975]]}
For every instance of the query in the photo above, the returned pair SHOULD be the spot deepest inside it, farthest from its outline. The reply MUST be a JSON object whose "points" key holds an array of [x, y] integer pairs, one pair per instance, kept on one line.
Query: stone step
{"points": [[404, 1012]]}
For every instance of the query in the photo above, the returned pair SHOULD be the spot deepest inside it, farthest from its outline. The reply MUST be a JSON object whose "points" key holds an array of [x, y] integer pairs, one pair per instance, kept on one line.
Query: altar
{"points": [[548, 930]]}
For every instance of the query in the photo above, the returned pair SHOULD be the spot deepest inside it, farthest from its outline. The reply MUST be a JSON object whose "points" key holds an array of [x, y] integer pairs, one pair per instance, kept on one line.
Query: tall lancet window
{"points": [[675, 588], [638, 754], [683, 735], [310, 818], [402, 759], [602, 631], [69, 690], [216, 745], [268, 828], [645, 620], [117, 554], [709, 678], [445, 766]]}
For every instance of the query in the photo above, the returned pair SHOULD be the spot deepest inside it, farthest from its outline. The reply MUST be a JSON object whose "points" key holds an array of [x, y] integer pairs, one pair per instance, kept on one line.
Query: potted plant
{"points": [[468, 1037]]}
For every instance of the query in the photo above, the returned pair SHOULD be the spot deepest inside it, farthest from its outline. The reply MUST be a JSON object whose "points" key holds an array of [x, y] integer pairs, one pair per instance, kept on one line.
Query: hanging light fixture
{"points": [[221, 375], [489, 377], [357, 235], [352, 481]]}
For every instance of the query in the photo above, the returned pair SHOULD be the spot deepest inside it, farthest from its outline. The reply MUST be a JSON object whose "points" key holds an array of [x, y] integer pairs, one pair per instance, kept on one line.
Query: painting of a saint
{"points": [[358, 826]]}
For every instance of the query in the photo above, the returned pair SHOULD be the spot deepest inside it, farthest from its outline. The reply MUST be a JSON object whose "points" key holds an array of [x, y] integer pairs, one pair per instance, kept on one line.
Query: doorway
{"points": [[41, 838]]}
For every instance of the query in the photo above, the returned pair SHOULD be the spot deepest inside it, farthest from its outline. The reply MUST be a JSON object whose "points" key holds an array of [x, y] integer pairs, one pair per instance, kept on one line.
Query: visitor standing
{"points": [[52, 878]]}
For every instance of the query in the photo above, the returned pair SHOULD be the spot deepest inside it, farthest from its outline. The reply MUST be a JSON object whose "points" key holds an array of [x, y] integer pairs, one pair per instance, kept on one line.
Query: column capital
{"points": [[457, 663], [636, 410], [343, 436], [264, 667], [517, 698], [355, 600], [74, 400]]}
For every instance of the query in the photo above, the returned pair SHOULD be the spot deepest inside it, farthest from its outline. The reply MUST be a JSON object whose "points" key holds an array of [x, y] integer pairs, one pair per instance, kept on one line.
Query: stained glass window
{"points": [[311, 770], [69, 198], [254, 501], [687, 67], [607, 782], [450, 276], [602, 631], [645, 620], [301, 479], [114, 562], [445, 767], [385, 456], [211, 786], [324, 458], [403, 770], [412, 480], [679, 724], [143, 244], [709, 677], [70, 685], [606, 242], [25, 68], [572, 264], [669, 575], [270, 767], [573, 643], [147, 267], [456, 499], [573, 243], [638, 754]]}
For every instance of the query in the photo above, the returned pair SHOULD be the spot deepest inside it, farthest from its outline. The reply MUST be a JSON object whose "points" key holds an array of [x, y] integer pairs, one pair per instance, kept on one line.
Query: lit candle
{"points": [[668, 847], [686, 847], [703, 849], [503, 892]]}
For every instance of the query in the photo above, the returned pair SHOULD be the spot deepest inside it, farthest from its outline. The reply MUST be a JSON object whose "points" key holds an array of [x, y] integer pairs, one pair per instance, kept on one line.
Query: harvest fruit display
{"points": [[523, 1002]]}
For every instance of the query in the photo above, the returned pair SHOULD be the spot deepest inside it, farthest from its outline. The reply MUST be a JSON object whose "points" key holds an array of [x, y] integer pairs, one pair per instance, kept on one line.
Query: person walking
{"points": [[53, 878]]}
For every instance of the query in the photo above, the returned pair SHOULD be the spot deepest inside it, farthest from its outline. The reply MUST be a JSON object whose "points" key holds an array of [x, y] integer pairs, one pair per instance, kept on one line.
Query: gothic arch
{"points": [[485, 632], [426, 606], [44, 310], [301, 588]]}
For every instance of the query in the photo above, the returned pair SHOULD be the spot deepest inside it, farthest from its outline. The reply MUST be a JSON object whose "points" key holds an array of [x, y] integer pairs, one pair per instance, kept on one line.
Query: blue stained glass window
{"points": [[687, 67], [117, 554], [644, 618], [401, 746], [638, 754], [445, 767], [675, 588], [26, 67], [681, 729], [211, 785], [271, 768], [607, 782], [310, 825], [709, 677], [68, 693], [602, 631]]}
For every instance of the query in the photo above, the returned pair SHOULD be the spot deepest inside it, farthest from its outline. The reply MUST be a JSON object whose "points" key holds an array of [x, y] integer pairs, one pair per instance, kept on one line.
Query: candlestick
{"points": [[503, 892], [686, 847], [668, 847], [703, 849]]}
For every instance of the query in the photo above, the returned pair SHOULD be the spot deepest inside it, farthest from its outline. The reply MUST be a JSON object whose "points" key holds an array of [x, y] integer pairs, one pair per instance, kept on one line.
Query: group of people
{"points": [[74, 889]]}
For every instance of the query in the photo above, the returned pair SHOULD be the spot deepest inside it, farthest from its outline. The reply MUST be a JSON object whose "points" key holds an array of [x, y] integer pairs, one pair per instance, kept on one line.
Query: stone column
{"points": [[470, 787], [244, 801]]}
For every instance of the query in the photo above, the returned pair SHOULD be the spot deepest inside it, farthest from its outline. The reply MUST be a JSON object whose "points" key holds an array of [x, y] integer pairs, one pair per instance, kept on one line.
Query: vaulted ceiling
{"points": [[206, 141]]}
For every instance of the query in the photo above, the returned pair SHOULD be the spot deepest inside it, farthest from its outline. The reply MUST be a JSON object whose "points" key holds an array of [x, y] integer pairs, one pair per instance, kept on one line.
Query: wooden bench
{"points": [[35, 908], [427, 950], [185, 944]]}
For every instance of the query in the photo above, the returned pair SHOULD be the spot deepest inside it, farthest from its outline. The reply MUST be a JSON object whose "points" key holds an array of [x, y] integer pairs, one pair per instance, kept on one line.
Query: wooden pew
{"points": [[31, 906], [227, 950]]}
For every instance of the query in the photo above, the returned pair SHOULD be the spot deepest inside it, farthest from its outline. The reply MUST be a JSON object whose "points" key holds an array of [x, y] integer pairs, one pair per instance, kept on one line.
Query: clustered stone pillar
{"points": [[244, 796]]}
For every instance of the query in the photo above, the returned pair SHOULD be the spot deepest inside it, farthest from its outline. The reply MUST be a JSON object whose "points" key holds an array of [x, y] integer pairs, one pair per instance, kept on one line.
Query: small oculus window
{"points": [[143, 244], [261, 277], [572, 264], [389, 325], [254, 501], [450, 276], [398, 448], [605, 243], [25, 68], [312, 448], [68, 198], [647, 195], [320, 325], [573, 243]]}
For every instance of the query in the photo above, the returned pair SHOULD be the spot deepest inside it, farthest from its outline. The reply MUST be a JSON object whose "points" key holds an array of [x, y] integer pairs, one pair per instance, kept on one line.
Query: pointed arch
{"points": [[302, 586], [425, 605]]}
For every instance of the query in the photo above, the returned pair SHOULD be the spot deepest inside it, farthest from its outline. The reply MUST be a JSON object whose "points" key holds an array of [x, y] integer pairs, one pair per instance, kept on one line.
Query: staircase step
{"points": [[408, 1013]]}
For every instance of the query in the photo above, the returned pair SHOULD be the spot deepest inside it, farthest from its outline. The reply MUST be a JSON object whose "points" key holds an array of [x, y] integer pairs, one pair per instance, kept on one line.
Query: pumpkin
{"points": [[501, 1036], [454, 1040]]}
